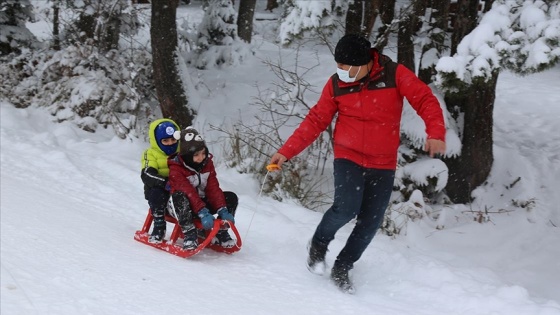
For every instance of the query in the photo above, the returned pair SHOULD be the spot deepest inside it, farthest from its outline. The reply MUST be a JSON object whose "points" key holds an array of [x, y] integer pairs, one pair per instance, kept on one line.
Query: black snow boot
{"points": [[190, 242], [201, 234], [223, 239], [158, 232], [341, 279], [316, 260]]}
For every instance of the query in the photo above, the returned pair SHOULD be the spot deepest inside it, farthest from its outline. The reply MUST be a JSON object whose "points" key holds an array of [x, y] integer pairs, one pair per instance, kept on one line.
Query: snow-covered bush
{"points": [[217, 42], [13, 33], [283, 106], [82, 85], [399, 214], [415, 170], [93, 82]]}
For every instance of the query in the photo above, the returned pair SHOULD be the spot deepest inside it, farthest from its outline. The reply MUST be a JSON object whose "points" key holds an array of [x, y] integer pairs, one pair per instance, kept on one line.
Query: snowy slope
{"points": [[71, 202]]}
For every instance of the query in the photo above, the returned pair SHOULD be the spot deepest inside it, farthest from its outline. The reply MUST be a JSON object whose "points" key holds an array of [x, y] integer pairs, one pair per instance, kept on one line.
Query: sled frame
{"points": [[170, 245]]}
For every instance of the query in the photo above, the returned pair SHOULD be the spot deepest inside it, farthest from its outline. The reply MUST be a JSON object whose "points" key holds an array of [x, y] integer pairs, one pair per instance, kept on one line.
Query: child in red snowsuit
{"points": [[195, 190]]}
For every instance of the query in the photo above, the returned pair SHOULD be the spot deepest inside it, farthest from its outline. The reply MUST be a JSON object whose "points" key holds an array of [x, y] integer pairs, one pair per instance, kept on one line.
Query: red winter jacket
{"points": [[196, 185], [367, 129]]}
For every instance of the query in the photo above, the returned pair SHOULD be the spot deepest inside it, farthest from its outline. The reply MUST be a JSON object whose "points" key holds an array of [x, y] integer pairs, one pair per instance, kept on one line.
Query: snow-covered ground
{"points": [[72, 200]]}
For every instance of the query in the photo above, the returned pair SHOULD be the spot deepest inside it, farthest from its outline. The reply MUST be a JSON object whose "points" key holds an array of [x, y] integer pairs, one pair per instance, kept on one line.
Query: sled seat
{"points": [[170, 245]]}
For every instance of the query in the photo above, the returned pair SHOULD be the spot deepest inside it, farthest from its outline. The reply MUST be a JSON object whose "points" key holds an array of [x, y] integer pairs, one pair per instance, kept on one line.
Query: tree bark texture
{"points": [[439, 21], [86, 26], [386, 14], [405, 52], [271, 5], [171, 96], [487, 5], [419, 7], [245, 19], [472, 167], [361, 16], [464, 21], [56, 25]]}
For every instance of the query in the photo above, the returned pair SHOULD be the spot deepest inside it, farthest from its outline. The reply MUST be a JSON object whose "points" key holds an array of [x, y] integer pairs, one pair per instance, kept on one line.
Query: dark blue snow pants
{"points": [[361, 192], [157, 199]]}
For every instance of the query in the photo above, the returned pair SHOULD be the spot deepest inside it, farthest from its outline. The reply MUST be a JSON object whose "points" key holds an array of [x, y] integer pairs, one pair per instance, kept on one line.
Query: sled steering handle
{"points": [[272, 167]]}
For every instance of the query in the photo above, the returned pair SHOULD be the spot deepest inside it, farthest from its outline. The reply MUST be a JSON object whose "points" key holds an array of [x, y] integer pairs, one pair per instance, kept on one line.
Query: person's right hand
{"points": [[278, 159]]}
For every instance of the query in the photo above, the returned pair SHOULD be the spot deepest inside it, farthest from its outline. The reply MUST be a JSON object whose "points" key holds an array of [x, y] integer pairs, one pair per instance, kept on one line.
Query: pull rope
{"points": [[255, 211]]}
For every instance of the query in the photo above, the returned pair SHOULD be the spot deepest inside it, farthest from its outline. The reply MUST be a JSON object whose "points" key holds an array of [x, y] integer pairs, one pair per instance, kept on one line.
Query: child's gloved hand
{"points": [[206, 218], [224, 214]]}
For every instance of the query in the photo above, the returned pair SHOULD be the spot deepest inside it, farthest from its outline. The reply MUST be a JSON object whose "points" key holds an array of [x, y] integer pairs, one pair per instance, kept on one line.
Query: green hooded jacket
{"points": [[154, 161]]}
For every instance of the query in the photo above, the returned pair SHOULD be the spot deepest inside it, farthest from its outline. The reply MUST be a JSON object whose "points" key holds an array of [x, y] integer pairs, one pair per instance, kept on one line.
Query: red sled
{"points": [[170, 245]]}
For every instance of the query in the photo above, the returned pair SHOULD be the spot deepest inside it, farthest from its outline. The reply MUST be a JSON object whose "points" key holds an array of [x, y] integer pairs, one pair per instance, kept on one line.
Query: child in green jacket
{"points": [[155, 172]]}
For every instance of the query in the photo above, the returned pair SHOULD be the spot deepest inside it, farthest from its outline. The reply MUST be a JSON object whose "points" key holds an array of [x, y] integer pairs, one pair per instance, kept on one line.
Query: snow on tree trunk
{"points": [[405, 53], [434, 48], [465, 21], [245, 19], [361, 16], [522, 36], [169, 87]]}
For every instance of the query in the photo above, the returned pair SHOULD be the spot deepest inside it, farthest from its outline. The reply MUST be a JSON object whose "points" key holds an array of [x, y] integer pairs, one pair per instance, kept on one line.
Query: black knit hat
{"points": [[190, 141], [353, 50]]}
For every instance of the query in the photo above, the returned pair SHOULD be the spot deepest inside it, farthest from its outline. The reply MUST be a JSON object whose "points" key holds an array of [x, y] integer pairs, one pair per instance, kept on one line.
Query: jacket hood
{"points": [[152, 133]]}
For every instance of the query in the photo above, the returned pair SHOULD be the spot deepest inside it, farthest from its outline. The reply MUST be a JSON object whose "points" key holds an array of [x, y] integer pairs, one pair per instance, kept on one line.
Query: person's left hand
{"points": [[224, 214], [434, 146]]}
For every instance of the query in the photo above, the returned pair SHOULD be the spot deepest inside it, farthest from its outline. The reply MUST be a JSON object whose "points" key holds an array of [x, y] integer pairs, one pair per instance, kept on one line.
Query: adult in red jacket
{"points": [[195, 190], [367, 94]]}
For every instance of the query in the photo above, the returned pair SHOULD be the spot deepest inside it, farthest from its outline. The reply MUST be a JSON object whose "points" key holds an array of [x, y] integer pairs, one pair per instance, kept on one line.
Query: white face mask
{"points": [[344, 75]]}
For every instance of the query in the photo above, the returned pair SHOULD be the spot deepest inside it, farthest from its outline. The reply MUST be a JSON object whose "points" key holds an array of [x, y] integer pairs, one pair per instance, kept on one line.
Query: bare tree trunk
{"points": [[487, 5], [372, 10], [405, 53], [171, 96], [111, 32], [465, 21], [361, 16], [86, 26], [271, 5], [387, 14], [56, 25], [472, 167], [440, 16], [354, 17], [245, 19], [419, 7]]}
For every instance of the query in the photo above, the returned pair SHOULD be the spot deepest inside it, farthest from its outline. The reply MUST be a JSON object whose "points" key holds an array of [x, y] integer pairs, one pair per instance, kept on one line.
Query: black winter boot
{"points": [[316, 260], [341, 279], [190, 242], [158, 232], [223, 239]]}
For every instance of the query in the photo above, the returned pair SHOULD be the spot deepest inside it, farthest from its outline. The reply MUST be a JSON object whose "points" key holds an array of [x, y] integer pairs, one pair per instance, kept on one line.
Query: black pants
{"points": [[185, 214], [157, 200]]}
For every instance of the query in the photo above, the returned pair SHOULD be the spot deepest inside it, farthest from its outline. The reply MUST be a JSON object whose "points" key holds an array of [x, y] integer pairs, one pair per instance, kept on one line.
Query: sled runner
{"points": [[171, 246]]}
